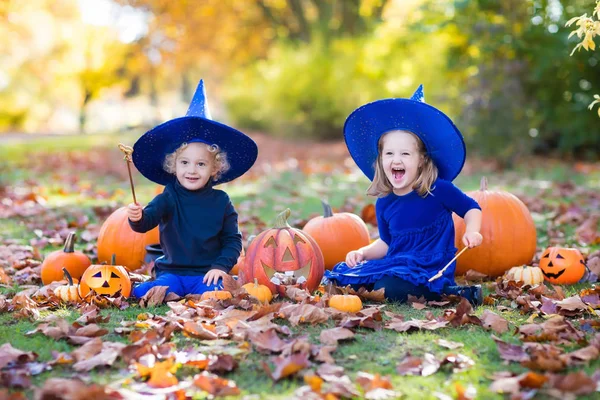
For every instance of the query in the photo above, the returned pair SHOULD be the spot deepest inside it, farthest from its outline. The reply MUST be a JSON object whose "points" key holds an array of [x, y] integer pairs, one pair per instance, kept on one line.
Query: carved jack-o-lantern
{"points": [[562, 265], [283, 252], [106, 280]]}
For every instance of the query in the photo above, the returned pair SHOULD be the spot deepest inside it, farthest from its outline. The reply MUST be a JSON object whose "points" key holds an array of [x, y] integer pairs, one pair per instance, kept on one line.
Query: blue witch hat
{"points": [[442, 139], [197, 126]]}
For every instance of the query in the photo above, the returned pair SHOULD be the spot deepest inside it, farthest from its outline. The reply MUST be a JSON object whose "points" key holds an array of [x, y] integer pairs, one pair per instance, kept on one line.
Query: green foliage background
{"points": [[501, 70]]}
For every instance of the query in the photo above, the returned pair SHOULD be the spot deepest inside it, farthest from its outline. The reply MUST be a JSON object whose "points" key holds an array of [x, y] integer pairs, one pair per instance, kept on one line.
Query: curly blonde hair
{"points": [[220, 159], [428, 172]]}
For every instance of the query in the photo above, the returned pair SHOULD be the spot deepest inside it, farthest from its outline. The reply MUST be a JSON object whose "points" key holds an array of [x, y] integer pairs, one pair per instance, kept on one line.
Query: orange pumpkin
{"points": [[283, 250], [105, 279], [346, 302], [337, 234], [116, 237], [509, 236], [74, 261], [562, 265], [216, 294], [240, 261], [261, 292]]}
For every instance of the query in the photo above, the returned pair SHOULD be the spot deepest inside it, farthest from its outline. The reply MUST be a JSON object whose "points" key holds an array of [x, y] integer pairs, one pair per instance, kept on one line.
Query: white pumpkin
{"points": [[528, 275]]}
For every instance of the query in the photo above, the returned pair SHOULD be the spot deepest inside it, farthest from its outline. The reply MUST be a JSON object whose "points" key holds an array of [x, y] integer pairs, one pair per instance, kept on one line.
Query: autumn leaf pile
{"points": [[194, 347]]}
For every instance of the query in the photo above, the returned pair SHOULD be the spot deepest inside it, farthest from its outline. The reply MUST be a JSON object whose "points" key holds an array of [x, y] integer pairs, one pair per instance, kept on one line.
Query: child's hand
{"points": [[472, 239], [213, 276], [354, 257], [134, 212]]}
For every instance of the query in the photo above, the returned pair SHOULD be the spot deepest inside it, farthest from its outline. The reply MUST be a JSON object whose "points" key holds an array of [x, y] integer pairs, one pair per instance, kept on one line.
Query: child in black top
{"points": [[198, 224]]}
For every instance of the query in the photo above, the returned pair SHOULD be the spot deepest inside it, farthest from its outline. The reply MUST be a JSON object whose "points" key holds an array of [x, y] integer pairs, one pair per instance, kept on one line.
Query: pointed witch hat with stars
{"points": [[196, 126], [442, 139]]}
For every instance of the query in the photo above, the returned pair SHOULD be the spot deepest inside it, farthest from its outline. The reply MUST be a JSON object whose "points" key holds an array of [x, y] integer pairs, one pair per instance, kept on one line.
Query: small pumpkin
{"points": [[509, 235], [116, 237], [562, 265], [216, 294], [261, 292], [345, 302], [284, 251], [528, 275], [241, 259], [337, 234], [74, 261], [68, 292], [105, 279]]}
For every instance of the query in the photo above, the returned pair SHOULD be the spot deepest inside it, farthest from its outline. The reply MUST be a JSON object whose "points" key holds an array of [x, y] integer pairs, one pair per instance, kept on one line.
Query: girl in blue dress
{"points": [[411, 151]]}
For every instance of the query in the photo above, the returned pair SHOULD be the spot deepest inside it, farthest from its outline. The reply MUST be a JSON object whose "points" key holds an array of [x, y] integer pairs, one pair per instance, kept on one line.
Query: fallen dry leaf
{"points": [[491, 320], [215, 385], [423, 366], [10, 355], [154, 297], [286, 366], [332, 336], [160, 373]]}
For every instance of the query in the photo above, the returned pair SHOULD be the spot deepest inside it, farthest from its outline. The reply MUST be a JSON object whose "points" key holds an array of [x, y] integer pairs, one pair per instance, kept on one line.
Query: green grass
{"points": [[371, 351]]}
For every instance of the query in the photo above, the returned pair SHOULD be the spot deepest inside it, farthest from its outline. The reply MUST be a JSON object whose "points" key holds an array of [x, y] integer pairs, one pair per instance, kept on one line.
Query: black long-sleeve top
{"points": [[198, 229]]}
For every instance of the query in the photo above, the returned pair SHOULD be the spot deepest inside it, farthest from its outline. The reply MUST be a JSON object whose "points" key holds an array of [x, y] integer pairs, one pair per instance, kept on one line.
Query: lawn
{"points": [[50, 186]]}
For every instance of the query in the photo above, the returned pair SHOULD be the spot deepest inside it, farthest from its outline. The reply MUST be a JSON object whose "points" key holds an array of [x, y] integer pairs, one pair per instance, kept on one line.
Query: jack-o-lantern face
{"points": [[562, 265], [281, 253], [108, 280]]}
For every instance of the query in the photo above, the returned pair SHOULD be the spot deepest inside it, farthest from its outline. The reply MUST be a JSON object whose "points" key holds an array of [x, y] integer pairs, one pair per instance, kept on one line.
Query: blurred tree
{"points": [[101, 65], [308, 89], [51, 60], [518, 94], [215, 37], [303, 20]]}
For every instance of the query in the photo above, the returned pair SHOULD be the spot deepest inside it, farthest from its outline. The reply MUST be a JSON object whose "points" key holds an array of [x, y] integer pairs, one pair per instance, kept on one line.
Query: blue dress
{"points": [[420, 234]]}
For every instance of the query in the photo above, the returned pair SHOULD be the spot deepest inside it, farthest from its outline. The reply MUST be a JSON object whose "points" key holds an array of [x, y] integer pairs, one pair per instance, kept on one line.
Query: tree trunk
{"points": [[82, 111]]}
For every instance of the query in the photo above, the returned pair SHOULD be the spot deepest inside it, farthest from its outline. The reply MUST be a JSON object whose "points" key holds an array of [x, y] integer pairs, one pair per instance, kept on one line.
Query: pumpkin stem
{"points": [[281, 220], [327, 212], [68, 276], [113, 259], [483, 185], [70, 243], [255, 282]]}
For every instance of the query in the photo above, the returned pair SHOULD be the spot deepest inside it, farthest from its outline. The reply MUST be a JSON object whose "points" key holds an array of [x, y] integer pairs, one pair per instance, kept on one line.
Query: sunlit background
{"points": [[297, 68]]}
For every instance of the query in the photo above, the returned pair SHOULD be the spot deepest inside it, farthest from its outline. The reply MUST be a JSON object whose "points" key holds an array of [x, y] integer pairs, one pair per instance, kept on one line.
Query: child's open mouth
{"points": [[192, 179], [398, 173]]}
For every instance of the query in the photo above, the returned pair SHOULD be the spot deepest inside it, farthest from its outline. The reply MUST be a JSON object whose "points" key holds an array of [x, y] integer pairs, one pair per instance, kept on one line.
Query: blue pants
{"points": [[179, 284]]}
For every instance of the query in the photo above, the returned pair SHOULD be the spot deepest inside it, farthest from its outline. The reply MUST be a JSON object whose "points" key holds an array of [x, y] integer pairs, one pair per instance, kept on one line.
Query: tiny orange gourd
{"points": [[345, 302], [562, 265], [337, 234], [528, 275], [216, 294], [74, 261], [68, 292], [261, 292]]}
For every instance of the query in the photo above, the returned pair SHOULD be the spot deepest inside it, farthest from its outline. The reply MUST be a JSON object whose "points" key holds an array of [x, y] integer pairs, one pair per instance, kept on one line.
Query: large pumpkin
{"points": [[73, 261], [509, 236], [283, 250], [562, 265], [116, 237], [105, 279], [337, 234]]}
